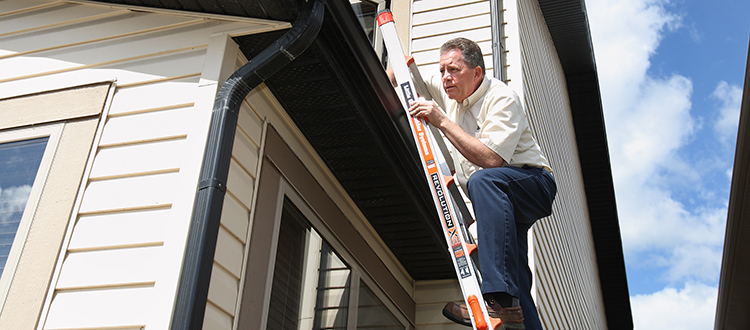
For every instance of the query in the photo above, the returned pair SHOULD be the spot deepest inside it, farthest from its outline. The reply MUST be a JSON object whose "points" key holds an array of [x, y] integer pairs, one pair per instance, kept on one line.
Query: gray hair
{"points": [[469, 49]]}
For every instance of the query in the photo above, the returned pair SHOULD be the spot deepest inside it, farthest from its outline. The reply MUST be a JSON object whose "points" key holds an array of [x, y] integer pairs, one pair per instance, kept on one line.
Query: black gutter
{"points": [[190, 304]]}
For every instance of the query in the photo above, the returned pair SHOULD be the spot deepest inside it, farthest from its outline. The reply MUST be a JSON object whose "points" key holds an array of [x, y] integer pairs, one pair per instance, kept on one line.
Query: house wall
{"points": [[436, 21], [119, 260], [566, 284], [70, 120], [566, 277]]}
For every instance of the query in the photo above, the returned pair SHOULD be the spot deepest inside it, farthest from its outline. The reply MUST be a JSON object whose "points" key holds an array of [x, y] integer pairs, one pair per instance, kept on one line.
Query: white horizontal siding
{"points": [[76, 44], [223, 291], [437, 21], [110, 268], [162, 155], [108, 230], [130, 193], [569, 294], [216, 318], [124, 252], [102, 308]]}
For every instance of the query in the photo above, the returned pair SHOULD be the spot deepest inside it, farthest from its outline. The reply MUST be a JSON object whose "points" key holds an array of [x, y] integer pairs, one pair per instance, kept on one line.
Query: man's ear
{"points": [[477, 73]]}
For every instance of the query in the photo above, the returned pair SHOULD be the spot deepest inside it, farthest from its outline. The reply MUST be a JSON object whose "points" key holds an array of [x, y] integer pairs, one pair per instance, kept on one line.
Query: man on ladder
{"points": [[501, 167]]}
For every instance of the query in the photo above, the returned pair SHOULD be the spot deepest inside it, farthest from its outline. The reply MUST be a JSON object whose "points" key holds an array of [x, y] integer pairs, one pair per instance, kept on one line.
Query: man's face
{"points": [[459, 80]]}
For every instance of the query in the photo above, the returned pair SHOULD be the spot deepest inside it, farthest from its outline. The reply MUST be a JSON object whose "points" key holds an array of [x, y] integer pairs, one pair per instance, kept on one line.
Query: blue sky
{"points": [[671, 75]]}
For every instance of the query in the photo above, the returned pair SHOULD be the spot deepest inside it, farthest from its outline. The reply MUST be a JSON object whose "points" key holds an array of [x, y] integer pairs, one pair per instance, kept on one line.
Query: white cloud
{"points": [[648, 121], [13, 200], [658, 123], [625, 35], [692, 307], [649, 125], [730, 99]]}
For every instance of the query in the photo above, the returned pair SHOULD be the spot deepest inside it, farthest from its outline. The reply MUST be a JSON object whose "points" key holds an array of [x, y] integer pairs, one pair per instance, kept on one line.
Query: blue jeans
{"points": [[507, 201]]}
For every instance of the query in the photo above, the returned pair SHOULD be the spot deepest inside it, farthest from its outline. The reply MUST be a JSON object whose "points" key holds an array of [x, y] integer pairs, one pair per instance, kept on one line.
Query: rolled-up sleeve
{"points": [[501, 124]]}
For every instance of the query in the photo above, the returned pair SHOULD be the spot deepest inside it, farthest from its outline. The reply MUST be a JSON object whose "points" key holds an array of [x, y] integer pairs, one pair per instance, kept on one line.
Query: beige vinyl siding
{"points": [[436, 21], [123, 251], [431, 296], [227, 272], [566, 276]]}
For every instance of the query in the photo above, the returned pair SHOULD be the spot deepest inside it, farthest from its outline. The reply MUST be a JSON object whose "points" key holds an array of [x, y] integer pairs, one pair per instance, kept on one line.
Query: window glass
{"points": [[19, 163], [312, 285], [332, 303], [372, 314], [286, 290]]}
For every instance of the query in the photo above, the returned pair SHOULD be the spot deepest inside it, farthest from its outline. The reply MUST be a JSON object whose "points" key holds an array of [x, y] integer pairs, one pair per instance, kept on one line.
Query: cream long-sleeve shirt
{"points": [[494, 114]]}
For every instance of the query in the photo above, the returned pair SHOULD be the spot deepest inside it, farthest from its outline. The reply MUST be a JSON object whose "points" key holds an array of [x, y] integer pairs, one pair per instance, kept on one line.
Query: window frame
{"points": [[323, 232], [283, 176], [53, 132], [73, 117]]}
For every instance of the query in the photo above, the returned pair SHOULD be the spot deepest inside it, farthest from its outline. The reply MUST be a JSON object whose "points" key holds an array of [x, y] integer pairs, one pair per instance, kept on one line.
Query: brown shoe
{"points": [[511, 317], [456, 311]]}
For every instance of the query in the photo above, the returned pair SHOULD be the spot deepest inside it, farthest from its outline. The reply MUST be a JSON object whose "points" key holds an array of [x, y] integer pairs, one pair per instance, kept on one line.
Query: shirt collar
{"points": [[474, 97]]}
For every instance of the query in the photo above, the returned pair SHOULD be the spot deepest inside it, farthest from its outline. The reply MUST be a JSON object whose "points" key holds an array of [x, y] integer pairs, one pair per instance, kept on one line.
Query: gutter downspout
{"points": [[496, 26], [192, 292]]}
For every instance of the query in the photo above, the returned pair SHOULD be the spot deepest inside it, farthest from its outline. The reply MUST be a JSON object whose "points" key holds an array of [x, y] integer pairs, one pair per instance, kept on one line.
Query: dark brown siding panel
{"points": [[259, 254]]}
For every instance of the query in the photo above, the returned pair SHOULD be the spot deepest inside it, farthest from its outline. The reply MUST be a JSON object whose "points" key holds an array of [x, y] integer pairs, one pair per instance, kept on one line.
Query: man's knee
{"points": [[486, 179], [477, 181]]}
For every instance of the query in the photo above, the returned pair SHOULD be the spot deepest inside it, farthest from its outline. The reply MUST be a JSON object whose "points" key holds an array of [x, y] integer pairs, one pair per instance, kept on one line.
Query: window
{"points": [[372, 313], [307, 266], [19, 163], [25, 160], [312, 286]]}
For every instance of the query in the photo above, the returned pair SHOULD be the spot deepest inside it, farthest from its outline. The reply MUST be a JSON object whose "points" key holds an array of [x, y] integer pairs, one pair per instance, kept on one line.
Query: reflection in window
{"points": [[372, 314], [19, 162], [286, 291], [366, 11], [332, 304], [310, 287]]}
